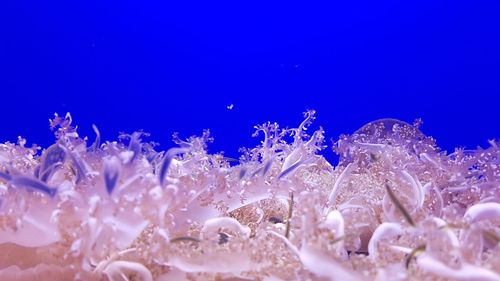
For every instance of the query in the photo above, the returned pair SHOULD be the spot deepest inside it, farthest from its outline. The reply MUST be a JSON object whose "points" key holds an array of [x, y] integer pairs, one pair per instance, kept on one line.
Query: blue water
{"points": [[166, 67]]}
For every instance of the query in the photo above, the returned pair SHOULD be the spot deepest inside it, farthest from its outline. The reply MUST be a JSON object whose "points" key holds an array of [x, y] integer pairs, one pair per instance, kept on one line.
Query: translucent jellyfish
{"points": [[396, 207]]}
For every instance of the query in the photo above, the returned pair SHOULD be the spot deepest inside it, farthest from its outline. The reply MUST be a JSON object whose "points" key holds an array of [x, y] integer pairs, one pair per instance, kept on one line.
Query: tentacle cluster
{"points": [[394, 208]]}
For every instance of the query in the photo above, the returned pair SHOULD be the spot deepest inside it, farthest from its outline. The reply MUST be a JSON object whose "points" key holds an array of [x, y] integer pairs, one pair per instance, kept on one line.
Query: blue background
{"points": [[166, 67]]}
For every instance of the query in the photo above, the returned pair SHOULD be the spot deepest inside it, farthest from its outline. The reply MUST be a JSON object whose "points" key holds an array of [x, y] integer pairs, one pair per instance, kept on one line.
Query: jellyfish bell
{"points": [[387, 128], [368, 143]]}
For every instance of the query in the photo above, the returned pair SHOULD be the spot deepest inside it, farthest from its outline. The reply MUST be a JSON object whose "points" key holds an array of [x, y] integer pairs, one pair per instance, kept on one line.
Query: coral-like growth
{"points": [[395, 208]]}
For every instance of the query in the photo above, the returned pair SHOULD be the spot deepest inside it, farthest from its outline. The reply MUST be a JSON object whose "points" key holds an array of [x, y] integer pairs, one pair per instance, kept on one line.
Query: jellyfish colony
{"points": [[395, 207]]}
